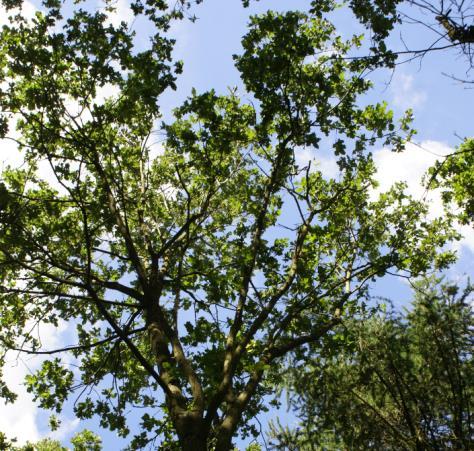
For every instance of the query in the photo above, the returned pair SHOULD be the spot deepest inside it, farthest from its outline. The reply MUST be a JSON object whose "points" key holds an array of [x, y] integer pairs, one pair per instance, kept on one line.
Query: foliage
{"points": [[82, 441], [86, 441], [455, 176], [45, 444], [404, 382], [253, 447], [189, 273], [445, 24], [5, 443]]}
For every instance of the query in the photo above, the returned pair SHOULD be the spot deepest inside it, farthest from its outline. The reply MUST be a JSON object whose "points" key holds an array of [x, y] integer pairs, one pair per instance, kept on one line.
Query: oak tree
{"points": [[188, 273], [445, 24], [454, 175]]}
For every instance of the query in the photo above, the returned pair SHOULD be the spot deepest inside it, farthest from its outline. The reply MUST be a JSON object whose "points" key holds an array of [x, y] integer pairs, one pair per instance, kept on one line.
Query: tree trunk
{"points": [[192, 433], [226, 432], [224, 442], [194, 443]]}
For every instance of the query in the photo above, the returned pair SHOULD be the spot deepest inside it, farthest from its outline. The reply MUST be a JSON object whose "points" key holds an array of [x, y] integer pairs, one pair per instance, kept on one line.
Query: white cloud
{"points": [[20, 419], [468, 237], [156, 149], [9, 154], [303, 156], [68, 426], [122, 12], [405, 93], [410, 166], [105, 92], [27, 10], [326, 164]]}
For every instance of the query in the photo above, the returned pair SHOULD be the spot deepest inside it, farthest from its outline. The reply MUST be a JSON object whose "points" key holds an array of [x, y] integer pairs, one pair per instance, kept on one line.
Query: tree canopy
{"points": [[83, 441], [399, 381], [455, 176], [190, 271]]}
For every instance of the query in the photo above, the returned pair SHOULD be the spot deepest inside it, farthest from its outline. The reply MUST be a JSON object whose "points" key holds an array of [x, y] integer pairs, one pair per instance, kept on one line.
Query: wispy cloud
{"points": [[68, 426], [406, 94]]}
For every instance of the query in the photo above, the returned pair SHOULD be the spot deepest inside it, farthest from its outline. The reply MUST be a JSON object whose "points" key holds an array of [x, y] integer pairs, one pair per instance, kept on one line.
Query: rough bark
{"points": [[192, 434]]}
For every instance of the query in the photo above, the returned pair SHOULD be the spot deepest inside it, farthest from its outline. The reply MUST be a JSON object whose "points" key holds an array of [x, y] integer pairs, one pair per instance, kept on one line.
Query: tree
{"points": [[82, 441], [404, 382], [180, 271], [448, 21], [455, 175], [45, 444], [86, 441], [452, 26]]}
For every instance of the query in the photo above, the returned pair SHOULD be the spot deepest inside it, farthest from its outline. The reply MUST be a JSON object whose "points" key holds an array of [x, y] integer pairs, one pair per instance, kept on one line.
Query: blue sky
{"points": [[443, 113]]}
